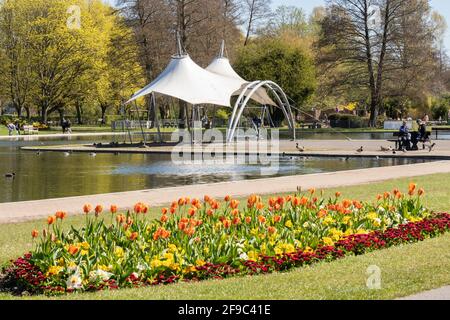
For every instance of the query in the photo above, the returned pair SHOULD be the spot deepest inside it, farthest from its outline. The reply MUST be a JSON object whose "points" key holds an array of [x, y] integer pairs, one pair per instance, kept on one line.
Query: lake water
{"points": [[53, 175]]}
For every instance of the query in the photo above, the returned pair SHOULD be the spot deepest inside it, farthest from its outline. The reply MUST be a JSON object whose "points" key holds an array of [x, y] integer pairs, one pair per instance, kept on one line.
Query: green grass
{"points": [[406, 270]]}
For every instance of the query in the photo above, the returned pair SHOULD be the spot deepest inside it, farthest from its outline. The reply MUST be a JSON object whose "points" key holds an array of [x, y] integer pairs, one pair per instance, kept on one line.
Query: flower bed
{"points": [[196, 240]]}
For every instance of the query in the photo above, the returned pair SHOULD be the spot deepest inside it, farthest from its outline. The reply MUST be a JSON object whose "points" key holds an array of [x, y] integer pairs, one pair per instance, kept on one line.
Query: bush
{"points": [[338, 120]]}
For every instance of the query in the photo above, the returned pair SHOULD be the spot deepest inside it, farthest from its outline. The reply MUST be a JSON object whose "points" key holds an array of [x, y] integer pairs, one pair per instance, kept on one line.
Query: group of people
{"points": [[13, 127], [409, 139]]}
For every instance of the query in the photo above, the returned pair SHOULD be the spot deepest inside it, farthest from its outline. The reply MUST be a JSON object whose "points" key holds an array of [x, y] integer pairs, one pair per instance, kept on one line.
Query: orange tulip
{"points": [[248, 220], [120, 218], [234, 204], [210, 213], [73, 249], [262, 219], [215, 205], [226, 223], [51, 220], [34, 233], [421, 192], [235, 212], [164, 211], [260, 206], [272, 230], [134, 236], [236, 221], [60, 215], [164, 218], [387, 195], [227, 198], [182, 226], [207, 199], [412, 188], [277, 219], [113, 209], [172, 210], [98, 210], [338, 194], [87, 208], [192, 211], [322, 213], [312, 191]]}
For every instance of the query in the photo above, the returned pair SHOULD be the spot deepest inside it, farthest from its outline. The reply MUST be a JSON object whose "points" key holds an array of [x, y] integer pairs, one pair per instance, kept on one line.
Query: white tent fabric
{"points": [[222, 66], [185, 80]]}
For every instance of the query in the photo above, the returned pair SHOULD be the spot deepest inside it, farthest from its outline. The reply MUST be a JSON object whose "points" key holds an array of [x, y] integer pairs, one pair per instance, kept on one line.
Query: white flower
{"points": [[243, 256], [74, 282], [141, 267], [99, 275]]}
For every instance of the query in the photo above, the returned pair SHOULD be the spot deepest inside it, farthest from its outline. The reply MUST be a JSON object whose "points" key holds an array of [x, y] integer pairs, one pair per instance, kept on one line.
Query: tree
{"points": [[256, 11], [362, 38], [15, 77], [282, 60]]}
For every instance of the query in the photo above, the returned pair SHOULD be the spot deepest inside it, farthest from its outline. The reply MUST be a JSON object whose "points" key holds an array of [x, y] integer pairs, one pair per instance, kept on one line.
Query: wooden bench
{"points": [[30, 130], [397, 141]]}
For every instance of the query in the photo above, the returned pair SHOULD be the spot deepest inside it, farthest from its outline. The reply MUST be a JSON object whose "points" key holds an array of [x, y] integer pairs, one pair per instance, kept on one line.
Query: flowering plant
{"points": [[194, 239]]}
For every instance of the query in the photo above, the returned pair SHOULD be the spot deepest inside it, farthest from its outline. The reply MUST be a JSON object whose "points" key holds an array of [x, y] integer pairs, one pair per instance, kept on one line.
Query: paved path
{"points": [[30, 210], [58, 135], [437, 294]]}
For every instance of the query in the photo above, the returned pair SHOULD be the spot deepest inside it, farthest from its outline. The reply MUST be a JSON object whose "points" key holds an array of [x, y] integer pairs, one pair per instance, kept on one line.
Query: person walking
{"points": [[11, 128]]}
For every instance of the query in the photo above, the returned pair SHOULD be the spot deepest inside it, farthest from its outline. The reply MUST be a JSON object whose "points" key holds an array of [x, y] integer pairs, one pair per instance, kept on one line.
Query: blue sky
{"points": [[442, 6]]}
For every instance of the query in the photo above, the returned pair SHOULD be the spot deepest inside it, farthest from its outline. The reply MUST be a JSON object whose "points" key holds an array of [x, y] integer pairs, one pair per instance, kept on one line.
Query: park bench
{"points": [[30, 130], [414, 142]]}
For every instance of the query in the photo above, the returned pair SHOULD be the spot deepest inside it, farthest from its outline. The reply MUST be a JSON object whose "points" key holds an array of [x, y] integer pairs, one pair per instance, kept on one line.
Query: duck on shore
{"points": [[10, 175]]}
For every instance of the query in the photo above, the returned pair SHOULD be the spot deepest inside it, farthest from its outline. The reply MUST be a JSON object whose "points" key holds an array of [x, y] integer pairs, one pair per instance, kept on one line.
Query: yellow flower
{"points": [[278, 250], [119, 252], [206, 250], [156, 263], [175, 266], [263, 248], [328, 220], [288, 224], [200, 262], [61, 262], [308, 250], [172, 248], [169, 256], [328, 241], [84, 252], [372, 215], [54, 270], [253, 256], [85, 245], [346, 219], [336, 234], [254, 232], [190, 269], [361, 231]]}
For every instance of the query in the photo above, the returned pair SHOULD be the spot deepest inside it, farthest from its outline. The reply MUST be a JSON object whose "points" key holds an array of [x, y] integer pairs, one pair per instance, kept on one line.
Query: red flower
{"points": [[134, 236], [113, 209], [34, 233], [98, 210]]}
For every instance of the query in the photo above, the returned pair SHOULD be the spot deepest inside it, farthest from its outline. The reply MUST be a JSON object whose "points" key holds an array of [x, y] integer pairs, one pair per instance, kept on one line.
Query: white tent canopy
{"points": [[222, 66], [185, 80]]}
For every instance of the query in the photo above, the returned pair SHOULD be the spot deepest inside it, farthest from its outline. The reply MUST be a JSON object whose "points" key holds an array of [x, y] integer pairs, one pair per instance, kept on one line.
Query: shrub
{"points": [[339, 120]]}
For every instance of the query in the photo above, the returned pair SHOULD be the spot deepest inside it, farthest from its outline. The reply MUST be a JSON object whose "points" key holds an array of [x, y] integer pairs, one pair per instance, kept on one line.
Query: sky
{"points": [[442, 6]]}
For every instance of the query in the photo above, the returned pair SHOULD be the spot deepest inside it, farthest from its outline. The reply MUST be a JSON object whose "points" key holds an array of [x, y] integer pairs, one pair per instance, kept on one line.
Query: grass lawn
{"points": [[405, 270]]}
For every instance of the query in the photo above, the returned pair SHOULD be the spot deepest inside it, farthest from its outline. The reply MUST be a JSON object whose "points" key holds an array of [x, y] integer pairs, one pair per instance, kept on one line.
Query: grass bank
{"points": [[405, 270]]}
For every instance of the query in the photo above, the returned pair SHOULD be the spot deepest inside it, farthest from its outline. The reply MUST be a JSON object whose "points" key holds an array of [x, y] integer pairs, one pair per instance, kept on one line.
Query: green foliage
{"points": [[347, 121], [223, 114], [440, 108], [283, 60]]}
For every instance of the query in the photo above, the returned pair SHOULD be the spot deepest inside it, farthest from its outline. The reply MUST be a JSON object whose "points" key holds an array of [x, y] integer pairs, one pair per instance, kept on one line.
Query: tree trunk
{"points": [[79, 111], [183, 112]]}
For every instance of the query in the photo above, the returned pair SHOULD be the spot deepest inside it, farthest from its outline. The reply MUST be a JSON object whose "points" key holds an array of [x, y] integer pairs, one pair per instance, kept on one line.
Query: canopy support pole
{"points": [[140, 124], [160, 140]]}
